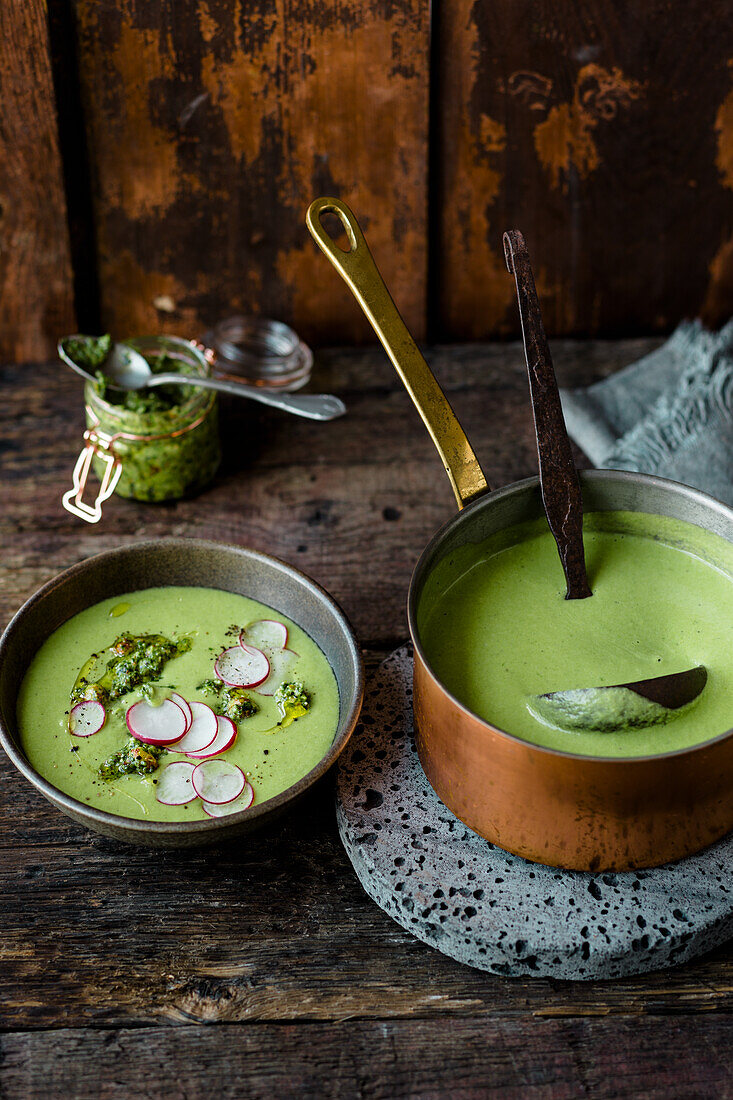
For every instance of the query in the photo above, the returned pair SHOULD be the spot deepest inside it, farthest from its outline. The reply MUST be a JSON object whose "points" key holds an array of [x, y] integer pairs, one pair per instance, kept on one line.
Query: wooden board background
{"points": [[194, 134], [211, 127], [605, 132], [35, 266]]}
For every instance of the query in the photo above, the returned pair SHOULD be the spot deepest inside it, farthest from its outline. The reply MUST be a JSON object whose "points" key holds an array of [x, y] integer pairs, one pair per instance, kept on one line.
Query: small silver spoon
{"points": [[127, 369]]}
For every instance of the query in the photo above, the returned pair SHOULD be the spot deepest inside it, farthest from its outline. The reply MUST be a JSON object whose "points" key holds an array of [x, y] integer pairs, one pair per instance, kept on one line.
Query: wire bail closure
{"points": [[100, 444]]}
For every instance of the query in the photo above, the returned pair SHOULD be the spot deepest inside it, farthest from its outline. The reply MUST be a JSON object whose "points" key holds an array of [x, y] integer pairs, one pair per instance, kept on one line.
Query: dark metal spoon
{"points": [[558, 477], [632, 705], [563, 505]]}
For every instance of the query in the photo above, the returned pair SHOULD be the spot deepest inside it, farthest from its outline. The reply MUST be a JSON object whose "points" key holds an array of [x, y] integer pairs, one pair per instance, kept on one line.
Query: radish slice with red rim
{"points": [[242, 666], [245, 800], [218, 781], [281, 664], [185, 707], [266, 634], [202, 731], [87, 718], [174, 787], [226, 735], [163, 725]]}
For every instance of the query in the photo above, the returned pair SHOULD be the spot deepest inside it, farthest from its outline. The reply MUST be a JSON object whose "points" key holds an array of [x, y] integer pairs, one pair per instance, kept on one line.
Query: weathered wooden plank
{"points": [[604, 132], [610, 1060], [465, 366], [36, 300], [210, 131], [273, 928]]}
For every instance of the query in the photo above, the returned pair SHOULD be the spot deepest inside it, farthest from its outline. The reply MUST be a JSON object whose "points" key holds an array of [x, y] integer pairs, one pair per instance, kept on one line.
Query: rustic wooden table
{"points": [[261, 969]]}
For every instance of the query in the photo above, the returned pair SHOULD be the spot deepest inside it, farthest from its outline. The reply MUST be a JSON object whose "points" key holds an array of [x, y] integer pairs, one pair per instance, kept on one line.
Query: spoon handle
{"points": [[313, 406], [357, 268], [558, 477]]}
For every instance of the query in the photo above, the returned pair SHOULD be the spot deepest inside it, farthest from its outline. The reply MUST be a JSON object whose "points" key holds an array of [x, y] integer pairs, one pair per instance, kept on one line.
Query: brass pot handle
{"points": [[359, 271]]}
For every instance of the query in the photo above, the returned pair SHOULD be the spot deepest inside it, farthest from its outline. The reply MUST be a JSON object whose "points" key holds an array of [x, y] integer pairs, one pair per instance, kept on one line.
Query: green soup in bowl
{"points": [[113, 770], [140, 632]]}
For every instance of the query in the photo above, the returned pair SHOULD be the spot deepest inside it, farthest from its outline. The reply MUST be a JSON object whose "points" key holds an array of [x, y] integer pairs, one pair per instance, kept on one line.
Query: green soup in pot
{"points": [[273, 754], [498, 632]]}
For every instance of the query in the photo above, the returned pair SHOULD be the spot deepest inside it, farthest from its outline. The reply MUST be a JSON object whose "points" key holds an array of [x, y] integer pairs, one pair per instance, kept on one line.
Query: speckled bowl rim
{"points": [[141, 827], [423, 567]]}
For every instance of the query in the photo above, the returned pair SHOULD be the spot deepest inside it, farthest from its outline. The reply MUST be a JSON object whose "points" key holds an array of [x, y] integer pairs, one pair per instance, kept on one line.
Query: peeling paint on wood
{"points": [[36, 298], [718, 304], [604, 133], [618, 124], [564, 140], [211, 133], [724, 130], [475, 292]]}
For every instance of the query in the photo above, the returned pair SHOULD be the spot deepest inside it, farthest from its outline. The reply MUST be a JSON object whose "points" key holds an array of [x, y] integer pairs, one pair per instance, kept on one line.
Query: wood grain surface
{"points": [[261, 968], [473, 1058], [605, 133], [194, 136], [36, 300], [213, 125]]}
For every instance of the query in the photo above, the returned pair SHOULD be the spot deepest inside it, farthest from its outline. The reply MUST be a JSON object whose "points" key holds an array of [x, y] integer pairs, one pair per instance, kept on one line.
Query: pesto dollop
{"points": [[135, 660], [88, 351], [135, 758], [293, 701], [231, 702]]}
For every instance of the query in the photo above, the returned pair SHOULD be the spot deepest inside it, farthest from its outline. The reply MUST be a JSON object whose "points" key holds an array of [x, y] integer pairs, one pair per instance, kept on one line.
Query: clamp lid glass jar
{"points": [[259, 352], [153, 445]]}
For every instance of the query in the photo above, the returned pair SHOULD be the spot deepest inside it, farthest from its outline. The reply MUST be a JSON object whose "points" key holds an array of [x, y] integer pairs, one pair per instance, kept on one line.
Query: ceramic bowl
{"points": [[179, 562]]}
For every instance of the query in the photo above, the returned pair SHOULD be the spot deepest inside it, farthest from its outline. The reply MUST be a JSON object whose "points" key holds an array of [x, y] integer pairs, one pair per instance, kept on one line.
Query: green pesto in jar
{"points": [[167, 438]]}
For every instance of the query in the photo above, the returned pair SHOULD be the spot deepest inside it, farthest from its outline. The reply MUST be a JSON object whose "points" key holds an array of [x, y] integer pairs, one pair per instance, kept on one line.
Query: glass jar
{"points": [[259, 352], [156, 455]]}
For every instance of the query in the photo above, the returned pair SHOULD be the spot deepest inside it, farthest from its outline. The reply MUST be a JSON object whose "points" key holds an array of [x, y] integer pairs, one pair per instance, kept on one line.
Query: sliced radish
{"points": [[185, 707], [87, 718], [245, 800], [266, 634], [174, 786], [202, 731], [163, 725], [226, 735], [281, 663], [242, 666], [218, 781]]}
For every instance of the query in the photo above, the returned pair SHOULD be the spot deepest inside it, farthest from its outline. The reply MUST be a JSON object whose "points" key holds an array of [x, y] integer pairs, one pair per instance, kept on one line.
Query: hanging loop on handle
{"points": [[358, 269], [99, 444]]}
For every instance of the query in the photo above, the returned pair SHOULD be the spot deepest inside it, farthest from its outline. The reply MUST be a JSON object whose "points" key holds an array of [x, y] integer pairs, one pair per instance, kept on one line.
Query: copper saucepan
{"points": [[582, 812]]}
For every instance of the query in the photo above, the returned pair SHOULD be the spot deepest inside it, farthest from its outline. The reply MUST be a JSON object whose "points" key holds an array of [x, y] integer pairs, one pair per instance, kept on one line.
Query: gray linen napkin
{"points": [[671, 413]]}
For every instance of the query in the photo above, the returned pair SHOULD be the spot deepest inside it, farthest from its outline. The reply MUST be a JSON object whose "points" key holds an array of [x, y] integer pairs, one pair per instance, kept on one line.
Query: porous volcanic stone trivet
{"points": [[495, 911]]}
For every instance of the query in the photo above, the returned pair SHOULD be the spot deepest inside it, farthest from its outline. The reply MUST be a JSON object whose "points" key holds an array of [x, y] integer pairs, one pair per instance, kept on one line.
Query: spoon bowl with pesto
{"points": [[177, 693]]}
